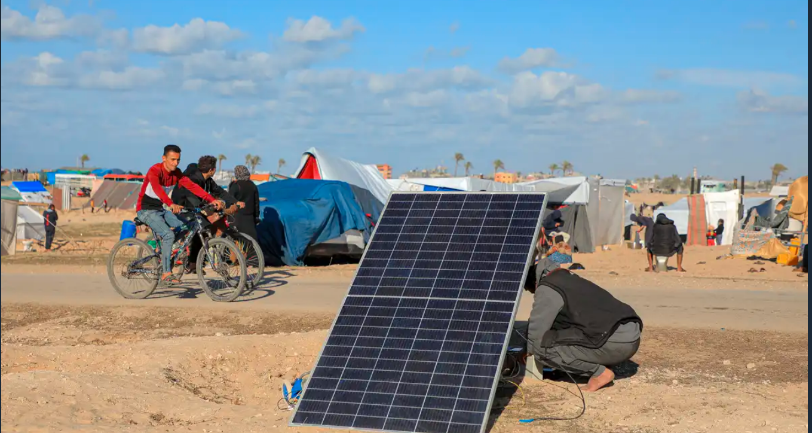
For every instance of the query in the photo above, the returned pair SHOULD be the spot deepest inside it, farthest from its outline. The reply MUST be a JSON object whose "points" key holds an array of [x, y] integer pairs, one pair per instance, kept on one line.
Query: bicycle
{"points": [[254, 258], [142, 267]]}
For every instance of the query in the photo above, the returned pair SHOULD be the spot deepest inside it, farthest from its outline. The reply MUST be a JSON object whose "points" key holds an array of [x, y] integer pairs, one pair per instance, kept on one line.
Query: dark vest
{"points": [[590, 315]]}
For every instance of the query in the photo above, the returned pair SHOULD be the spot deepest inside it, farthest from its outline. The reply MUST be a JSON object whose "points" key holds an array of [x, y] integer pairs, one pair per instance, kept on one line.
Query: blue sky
{"points": [[620, 89]]}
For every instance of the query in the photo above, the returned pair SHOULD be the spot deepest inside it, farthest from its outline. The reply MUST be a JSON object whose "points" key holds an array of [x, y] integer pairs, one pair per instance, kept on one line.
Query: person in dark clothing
{"points": [[577, 327], [719, 232], [553, 222], [666, 242], [201, 175], [244, 190], [51, 217], [646, 223]]}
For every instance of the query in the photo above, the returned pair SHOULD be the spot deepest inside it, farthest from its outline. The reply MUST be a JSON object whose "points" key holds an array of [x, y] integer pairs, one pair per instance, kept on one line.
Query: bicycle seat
{"points": [[138, 222]]}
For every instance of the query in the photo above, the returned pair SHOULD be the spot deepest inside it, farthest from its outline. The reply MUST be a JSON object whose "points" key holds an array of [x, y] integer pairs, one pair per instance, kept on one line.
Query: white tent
{"points": [[466, 184], [722, 206], [30, 224], [8, 221], [579, 196], [317, 164], [780, 191], [677, 212]]}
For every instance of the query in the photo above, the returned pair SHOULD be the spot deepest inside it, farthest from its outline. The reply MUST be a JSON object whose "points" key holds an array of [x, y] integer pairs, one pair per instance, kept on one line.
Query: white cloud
{"points": [[229, 111], [554, 88], [531, 59], [454, 27], [196, 35], [318, 29], [634, 96], [427, 99], [459, 77], [331, 78], [760, 102], [129, 78], [102, 59], [730, 78], [49, 23]]}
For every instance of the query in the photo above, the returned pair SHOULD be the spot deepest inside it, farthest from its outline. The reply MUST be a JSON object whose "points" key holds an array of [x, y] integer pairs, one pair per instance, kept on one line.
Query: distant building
{"points": [[506, 177], [386, 170]]}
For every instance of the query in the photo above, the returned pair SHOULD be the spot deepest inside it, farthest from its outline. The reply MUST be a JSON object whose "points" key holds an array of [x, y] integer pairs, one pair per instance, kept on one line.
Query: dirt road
{"points": [[775, 310], [77, 357]]}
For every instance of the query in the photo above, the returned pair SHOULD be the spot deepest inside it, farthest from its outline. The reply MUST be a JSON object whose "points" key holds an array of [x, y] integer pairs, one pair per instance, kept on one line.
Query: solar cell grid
{"points": [[418, 343]]}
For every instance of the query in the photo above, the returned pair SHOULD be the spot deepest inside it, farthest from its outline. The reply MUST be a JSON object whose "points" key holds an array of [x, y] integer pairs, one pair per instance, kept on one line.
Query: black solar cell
{"points": [[418, 343]]}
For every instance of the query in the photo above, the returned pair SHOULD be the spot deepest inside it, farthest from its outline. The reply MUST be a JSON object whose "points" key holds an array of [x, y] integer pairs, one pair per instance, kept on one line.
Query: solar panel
{"points": [[418, 343]]}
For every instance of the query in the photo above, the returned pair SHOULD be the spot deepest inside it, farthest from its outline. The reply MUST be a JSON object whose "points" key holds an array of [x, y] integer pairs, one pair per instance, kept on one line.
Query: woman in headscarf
{"points": [[244, 190]]}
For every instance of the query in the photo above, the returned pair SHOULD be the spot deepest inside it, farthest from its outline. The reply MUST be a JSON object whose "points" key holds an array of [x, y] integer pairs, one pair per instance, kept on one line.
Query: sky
{"points": [[620, 89]]}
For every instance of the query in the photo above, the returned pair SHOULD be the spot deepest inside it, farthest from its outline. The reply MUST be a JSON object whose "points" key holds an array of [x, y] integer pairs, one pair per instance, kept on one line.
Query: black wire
{"points": [[583, 398]]}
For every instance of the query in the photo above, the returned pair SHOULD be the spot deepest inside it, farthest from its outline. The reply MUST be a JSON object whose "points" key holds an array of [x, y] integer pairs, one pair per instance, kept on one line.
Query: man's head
{"points": [[171, 157], [207, 165], [721, 222], [52, 207]]}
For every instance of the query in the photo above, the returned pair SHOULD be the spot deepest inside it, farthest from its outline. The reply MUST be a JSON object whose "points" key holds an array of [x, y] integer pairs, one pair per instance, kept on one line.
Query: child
{"points": [[719, 232]]}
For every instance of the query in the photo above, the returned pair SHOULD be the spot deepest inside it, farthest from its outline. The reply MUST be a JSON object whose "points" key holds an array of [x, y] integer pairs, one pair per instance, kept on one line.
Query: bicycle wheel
{"points": [[226, 269], [133, 268], [254, 260]]}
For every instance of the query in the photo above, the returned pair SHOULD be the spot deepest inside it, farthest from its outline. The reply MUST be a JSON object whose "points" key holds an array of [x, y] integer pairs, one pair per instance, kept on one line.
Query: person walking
{"points": [[51, 218]]}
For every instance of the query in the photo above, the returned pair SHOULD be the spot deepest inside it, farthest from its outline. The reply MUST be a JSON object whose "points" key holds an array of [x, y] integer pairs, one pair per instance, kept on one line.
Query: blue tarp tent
{"points": [[101, 172], [33, 186], [298, 213]]}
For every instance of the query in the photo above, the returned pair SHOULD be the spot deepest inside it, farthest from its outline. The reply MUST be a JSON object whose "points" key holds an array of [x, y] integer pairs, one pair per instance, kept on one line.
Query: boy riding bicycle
{"points": [[153, 197]]}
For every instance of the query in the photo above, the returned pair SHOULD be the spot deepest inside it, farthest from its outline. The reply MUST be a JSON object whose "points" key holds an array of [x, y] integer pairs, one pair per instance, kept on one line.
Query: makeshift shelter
{"points": [[101, 172], [119, 195], [30, 224], [724, 206], [472, 184], [32, 192], [779, 191], [10, 194], [8, 223], [679, 212], [319, 165], [578, 185], [799, 191], [302, 217]]}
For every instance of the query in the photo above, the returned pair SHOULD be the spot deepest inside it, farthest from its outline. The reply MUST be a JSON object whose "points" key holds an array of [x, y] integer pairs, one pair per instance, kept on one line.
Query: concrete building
{"points": [[506, 177], [386, 170]]}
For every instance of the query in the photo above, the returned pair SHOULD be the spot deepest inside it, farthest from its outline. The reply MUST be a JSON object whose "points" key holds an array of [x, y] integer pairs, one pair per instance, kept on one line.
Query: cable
{"points": [[583, 398]]}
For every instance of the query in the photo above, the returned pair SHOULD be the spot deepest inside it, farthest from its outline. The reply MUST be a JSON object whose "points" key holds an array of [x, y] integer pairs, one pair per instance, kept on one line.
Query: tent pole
{"points": [[741, 200]]}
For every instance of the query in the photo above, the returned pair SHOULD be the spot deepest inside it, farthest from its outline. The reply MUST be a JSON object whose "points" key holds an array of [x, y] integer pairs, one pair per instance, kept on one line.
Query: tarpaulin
{"points": [[298, 213], [8, 221]]}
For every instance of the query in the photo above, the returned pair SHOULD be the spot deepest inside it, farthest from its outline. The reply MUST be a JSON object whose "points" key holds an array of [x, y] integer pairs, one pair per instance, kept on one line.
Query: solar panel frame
{"points": [[516, 303]]}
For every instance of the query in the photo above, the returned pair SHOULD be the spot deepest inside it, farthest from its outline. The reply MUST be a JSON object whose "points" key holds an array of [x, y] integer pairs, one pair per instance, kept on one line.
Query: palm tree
{"points": [[220, 159], [778, 170], [468, 167], [553, 168], [282, 163], [83, 159], [518, 175], [497, 165], [458, 157], [255, 161], [567, 167], [248, 159]]}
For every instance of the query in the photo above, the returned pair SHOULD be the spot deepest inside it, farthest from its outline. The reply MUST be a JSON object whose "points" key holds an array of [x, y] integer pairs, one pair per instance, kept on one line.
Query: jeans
{"points": [[162, 222]]}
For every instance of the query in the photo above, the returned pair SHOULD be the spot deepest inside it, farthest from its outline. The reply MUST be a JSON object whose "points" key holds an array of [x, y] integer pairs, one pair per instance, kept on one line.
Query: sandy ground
{"points": [[725, 350], [76, 357]]}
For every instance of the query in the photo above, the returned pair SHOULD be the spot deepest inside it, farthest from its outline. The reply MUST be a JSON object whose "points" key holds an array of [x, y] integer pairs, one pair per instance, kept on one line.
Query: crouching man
{"points": [[577, 327]]}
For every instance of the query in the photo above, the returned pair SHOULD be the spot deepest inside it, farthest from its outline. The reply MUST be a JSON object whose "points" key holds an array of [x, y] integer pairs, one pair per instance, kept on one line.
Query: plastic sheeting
{"points": [[580, 194], [10, 194], [628, 211], [8, 222], [471, 184], [577, 225], [298, 213], [724, 206], [799, 191], [610, 216], [677, 212], [30, 224], [317, 164]]}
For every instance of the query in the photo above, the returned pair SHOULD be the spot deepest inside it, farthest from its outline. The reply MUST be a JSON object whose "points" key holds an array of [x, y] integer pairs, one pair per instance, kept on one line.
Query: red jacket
{"points": [[154, 194]]}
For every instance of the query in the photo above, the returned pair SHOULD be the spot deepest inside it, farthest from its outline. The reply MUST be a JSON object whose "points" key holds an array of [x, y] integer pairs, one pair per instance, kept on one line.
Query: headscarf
{"points": [[241, 173]]}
